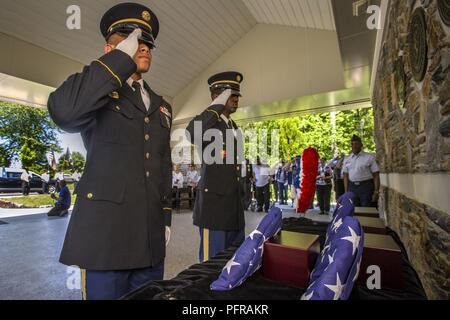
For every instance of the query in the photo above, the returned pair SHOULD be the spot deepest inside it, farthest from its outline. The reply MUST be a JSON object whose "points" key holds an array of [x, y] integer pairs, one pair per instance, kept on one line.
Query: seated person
{"points": [[62, 204]]}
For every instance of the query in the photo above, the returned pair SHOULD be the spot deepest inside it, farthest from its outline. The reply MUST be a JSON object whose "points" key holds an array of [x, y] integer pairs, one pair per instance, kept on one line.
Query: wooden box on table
{"points": [[382, 253], [290, 257], [372, 225], [367, 212]]}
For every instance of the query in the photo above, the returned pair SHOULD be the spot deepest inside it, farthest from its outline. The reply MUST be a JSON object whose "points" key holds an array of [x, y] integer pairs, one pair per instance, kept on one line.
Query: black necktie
{"points": [[137, 89]]}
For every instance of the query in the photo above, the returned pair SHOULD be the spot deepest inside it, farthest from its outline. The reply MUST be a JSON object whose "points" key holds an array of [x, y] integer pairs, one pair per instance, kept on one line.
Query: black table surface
{"points": [[194, 282]]}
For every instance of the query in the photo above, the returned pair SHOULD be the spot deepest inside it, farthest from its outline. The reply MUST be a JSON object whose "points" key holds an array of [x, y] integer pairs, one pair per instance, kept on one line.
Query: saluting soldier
{"points": [[219, 209], [120, 223]]}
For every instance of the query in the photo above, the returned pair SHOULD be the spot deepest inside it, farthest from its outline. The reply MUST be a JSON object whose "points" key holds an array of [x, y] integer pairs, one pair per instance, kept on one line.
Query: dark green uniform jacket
{"points": [[219, 203], [123, 198]]}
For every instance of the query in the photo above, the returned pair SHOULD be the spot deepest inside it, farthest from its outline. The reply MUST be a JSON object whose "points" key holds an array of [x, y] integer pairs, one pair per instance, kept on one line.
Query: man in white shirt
{"points": [[261, 173], [177, 185], [45, 180], [193, 178], [76, 177], [362, 175], [25, 177]]}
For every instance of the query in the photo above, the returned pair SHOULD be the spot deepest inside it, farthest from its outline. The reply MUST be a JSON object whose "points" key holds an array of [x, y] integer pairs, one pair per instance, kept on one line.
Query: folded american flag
{"points": [[344, 208], [338, 266], [248, 258]]}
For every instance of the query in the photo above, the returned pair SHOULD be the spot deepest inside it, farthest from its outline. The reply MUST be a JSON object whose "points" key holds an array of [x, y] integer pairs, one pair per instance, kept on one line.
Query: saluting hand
{"points": [[131, 44], [222, 98]]}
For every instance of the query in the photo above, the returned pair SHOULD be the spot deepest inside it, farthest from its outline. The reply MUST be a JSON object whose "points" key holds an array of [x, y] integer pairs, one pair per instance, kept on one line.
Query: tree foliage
{"points": [[27, 134], [315, 130], [79, 161]]}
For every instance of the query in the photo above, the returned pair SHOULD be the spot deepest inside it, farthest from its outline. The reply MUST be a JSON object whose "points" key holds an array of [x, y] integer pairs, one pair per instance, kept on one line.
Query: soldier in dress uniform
{"points": [[120, 223], [219, 209]]}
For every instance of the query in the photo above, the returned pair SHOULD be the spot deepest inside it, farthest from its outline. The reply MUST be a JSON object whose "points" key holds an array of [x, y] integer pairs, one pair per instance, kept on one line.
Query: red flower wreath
{"points": [[310, 166]]}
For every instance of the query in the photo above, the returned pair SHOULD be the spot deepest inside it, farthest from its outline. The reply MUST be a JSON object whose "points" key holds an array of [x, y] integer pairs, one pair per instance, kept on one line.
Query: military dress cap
{"points": [[125, 17], [226, 80]]}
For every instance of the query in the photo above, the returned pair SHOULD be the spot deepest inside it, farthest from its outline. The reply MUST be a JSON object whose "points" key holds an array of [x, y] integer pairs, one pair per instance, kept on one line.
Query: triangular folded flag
{"points": [[338, 266], [248, 258]]}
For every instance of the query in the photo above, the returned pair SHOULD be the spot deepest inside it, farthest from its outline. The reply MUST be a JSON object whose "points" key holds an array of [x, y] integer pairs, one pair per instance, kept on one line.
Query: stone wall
{"points": [[415, 138]]}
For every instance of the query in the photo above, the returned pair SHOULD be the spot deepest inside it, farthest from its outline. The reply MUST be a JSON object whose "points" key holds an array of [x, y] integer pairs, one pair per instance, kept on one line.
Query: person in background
{"points": [[45, 181], [273, 178], [324, 186], [59, 176], [282, 183], [63, 202], [289, 178], [76, 177], [261, 175], [192, 178], [177, 185], [362, 175], [295, 181], [25, 177], [338, 176]]}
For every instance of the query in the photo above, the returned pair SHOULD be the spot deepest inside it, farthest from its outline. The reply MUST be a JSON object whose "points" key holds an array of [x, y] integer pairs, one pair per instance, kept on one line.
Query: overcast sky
{"points": [[73, 141]]}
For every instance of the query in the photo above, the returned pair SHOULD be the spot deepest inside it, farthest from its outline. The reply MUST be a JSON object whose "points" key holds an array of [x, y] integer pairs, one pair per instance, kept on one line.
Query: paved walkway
{"points": [[31, 243]]}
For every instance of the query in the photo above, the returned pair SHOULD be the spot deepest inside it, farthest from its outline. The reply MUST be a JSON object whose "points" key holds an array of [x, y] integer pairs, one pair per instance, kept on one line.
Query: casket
{"points": [[290, 257], [372, 225], [367, 212], [381, 253]]}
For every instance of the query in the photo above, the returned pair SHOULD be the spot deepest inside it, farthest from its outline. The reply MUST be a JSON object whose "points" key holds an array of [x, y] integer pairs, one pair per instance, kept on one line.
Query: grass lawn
{"points": [[35, 201]]}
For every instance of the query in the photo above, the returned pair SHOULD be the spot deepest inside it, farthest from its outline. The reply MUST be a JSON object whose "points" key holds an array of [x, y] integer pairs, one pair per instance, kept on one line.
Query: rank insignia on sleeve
{"points": [[114, 95]]}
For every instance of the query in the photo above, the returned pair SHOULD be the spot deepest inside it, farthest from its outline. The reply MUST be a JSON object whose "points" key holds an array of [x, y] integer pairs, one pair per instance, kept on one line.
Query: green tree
{"points": [[79, 161], [316, 130], [26, 133], [5, 159], [64, 162], [359, 122]]}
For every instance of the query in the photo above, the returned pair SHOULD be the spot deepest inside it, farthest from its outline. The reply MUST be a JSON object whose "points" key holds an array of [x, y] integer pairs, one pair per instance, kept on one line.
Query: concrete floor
{"points": [[30, 247]]}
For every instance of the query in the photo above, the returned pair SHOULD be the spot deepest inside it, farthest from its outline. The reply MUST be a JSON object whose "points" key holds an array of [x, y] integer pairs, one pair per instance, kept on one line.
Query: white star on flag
{"points": [[306, 297], [231, 264], [255, 232], [354, 239], [337, 289], [327, 247], [337, 225], [331, 258]]}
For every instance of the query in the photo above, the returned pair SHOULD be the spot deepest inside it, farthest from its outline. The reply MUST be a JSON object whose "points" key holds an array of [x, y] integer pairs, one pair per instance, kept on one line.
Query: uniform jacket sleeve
{"points": [[207, 118], [74, 104]]}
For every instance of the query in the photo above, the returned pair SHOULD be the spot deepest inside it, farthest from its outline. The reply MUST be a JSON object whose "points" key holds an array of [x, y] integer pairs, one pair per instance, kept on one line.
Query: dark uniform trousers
{"points": [[263, 197], [219, 208], [113, 285], [364, 192], [123, 199], [324, 197]]}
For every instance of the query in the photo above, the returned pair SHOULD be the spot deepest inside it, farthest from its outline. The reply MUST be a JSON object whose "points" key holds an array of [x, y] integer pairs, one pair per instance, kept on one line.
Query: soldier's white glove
{"points": [[167, 235], [131, 44], [222, 98]]}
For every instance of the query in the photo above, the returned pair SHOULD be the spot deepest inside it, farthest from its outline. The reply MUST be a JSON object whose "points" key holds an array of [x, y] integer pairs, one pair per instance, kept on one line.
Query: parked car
{"points": [[68, 178], [10, 180]]}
